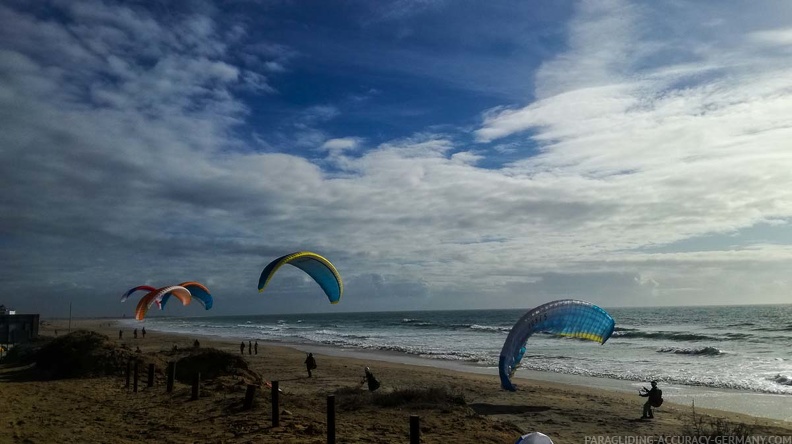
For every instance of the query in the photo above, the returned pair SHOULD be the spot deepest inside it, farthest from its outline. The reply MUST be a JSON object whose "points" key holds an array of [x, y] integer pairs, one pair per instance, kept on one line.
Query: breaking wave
{"points": [[705, 351], [669, 335]]}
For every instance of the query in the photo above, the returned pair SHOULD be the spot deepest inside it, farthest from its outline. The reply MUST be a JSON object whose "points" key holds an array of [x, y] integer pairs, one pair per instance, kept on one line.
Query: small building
{"points": [[15, 328]]}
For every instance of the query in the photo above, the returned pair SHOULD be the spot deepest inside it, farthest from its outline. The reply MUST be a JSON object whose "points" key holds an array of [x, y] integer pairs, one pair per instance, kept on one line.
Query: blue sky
{"points": [[443, 155]]}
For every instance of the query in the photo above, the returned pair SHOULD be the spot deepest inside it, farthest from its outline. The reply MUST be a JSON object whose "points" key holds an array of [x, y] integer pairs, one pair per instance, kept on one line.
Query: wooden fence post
{"points": [[135, 377], [150, 382], [331, 429], [250, 395], [196, 386], [171, 376], [415, 429], [275, 405], [128, 374]]}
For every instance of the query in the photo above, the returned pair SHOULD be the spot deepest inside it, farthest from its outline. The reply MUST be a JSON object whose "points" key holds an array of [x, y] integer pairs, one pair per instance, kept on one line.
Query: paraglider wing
{"points": [[567, 317], [319, 268], [199, 292], [181, 293], [126, 295]]}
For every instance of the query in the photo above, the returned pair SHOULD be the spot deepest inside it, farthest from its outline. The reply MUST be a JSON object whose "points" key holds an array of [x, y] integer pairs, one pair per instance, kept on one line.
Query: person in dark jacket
{"points": [[655, 399], [310, 363], [369, 379]]}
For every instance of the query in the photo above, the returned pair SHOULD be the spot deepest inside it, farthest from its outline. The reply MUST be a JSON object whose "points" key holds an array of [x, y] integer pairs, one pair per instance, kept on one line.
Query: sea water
{"points": [[748, 348]]}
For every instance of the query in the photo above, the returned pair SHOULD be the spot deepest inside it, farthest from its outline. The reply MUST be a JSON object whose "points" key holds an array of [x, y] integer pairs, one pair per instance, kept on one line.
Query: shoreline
{"points": [[761, 405]]}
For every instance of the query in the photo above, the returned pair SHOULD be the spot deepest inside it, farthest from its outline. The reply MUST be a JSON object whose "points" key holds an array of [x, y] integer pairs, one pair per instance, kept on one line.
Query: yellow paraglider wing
{"points": [[319, 268]]}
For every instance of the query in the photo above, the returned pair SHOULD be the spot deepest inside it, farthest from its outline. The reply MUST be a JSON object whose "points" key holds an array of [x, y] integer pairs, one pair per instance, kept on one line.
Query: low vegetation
{"points": [[700, 425], [80, 354], [418, 398], [212, 363]]}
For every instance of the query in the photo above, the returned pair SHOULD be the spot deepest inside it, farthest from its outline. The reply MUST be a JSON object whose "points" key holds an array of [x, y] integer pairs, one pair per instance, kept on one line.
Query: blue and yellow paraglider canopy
{"points": [[566, 317], [319, 268]]}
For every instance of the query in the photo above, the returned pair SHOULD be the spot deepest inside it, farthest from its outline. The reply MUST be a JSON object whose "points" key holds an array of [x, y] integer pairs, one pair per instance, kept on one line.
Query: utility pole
{"points": [[70, 317]]}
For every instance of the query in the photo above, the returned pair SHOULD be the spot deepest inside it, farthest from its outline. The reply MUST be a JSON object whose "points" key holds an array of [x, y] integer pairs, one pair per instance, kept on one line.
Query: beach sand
{"points": [[102, 410]]}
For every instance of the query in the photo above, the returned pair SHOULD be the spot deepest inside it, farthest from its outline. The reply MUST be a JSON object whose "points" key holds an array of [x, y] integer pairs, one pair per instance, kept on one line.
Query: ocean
{"points": [[747, 348]]}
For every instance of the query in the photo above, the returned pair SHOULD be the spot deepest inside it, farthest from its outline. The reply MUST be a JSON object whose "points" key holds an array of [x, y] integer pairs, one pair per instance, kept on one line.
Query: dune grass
{"points": [[699, 425], [353, 398]]}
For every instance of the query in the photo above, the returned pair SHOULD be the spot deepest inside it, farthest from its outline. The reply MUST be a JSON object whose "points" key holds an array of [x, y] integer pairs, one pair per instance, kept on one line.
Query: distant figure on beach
{"points": [[137, 350], [144, 332], [255, 348], [369, 379], [196, 344], [250, 348], [134, 333], [242, 347], [120, 334], [655, 399], [310, 363]]}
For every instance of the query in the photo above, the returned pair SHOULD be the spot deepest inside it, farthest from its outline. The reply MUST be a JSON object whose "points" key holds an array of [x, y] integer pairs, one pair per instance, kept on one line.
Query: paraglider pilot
{"points": [[655, 399]]}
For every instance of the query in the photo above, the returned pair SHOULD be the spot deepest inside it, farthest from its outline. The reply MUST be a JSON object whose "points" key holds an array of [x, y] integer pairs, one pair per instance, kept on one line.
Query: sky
{"points": [[442, 154]]}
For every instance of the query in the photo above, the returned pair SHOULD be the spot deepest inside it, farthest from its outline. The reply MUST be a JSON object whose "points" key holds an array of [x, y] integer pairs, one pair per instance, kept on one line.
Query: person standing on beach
{"points": [[255, 348], [369, 379], [120, 334], [144, 332], [250, 348], [310, 363], [655, 399], [242, 347], [134, 333]]}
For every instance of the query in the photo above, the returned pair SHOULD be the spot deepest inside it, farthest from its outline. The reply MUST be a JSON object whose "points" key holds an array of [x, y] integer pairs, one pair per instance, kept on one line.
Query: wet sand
{"points": [[102, 410]]}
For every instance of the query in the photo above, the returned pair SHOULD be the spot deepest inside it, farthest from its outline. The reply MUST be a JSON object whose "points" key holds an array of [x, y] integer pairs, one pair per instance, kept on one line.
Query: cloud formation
{"points": [[135, 151]]}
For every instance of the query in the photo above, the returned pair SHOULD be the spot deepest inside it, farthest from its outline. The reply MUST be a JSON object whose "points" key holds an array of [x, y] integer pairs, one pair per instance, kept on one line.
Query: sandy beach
{"points": [[102, 410]]}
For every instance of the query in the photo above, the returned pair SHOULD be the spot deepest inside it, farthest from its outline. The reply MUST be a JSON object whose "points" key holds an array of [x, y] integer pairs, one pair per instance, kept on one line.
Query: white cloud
{"points": [[340, 145], [775, 37], [274, 67], [674, 148]]}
